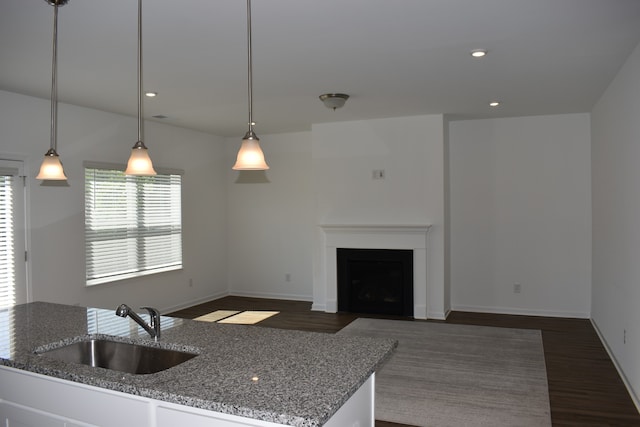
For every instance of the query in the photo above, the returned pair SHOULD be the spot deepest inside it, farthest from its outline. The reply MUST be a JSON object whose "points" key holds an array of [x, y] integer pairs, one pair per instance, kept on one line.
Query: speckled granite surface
{"points": [[304, 377]]}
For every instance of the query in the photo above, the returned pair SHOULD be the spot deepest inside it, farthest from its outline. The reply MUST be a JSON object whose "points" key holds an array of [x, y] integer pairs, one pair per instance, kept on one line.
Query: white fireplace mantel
{"points": [[375, 236]]}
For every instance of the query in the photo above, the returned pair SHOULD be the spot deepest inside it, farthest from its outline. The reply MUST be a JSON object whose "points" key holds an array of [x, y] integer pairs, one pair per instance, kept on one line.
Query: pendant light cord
{"points": [[139, 70], [54, 82], [250, 66]]}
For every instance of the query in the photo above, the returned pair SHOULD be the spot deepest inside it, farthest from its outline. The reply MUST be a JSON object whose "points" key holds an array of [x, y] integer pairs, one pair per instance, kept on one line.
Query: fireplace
{"points": [[378, 236], [376, 281]]}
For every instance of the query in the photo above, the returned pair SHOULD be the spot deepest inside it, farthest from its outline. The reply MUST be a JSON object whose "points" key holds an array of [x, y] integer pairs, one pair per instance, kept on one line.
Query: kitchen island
{"points": [[242, 375]]}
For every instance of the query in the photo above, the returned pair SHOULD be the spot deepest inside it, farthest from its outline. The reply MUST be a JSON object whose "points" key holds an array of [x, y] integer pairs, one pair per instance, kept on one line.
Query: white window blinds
{"points": [[133, 224], [7, 253]]}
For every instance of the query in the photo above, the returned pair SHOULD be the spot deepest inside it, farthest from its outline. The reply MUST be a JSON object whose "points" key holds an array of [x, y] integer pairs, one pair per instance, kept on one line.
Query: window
{"points": [[133, 224]]}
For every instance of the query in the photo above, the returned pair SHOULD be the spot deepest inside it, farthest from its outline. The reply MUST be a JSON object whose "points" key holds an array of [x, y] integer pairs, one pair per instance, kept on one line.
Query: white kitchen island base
{"points": [[28, 399]]}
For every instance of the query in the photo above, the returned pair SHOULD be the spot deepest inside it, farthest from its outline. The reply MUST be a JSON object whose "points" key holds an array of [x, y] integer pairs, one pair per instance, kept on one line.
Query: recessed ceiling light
{"points": [[478, 53], [151, 94], [494, 104]]}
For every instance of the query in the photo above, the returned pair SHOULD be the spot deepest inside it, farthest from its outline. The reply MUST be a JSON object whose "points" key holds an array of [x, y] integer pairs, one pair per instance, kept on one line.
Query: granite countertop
{"points": [[303, 377]]}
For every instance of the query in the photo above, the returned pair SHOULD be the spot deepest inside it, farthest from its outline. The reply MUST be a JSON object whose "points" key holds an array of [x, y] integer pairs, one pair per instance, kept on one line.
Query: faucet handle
{"points": [[154, 314]]}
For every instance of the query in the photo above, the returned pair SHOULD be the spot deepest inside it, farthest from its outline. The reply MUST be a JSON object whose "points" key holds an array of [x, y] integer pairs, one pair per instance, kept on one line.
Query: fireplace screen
{"points": [[376, 281]]}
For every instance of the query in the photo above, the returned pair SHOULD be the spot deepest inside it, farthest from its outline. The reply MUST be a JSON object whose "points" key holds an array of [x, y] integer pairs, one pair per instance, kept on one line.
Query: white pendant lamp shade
{"points": [[250, 156], [51, 168], [139, 162]]}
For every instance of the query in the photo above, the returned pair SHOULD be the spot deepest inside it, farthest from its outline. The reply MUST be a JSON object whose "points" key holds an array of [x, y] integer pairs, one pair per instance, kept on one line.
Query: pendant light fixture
{"points": [[139, 161], [250, 156], [51, 168]]}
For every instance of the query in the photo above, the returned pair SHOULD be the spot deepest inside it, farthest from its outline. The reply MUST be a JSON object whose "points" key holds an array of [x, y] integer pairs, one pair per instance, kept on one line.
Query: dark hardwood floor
{"points": [[584, 387]]}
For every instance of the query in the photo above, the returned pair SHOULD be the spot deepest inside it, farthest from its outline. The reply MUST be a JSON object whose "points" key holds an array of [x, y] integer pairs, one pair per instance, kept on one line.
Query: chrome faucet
{"points": [[153, 328]]}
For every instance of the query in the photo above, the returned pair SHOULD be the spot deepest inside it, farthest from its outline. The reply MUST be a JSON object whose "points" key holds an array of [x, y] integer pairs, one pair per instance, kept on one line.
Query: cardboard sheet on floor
{"points": [[214, 316], [249, 317]]}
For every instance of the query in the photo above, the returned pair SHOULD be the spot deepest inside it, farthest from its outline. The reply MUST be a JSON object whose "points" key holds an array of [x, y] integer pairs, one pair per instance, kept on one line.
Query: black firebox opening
{"points": [[376, 281]]}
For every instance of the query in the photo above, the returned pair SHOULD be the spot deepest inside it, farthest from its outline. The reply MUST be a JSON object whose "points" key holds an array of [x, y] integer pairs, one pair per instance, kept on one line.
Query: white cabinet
{"points": [[32, 400], [68, 401], [18, 416], [171, 417]]}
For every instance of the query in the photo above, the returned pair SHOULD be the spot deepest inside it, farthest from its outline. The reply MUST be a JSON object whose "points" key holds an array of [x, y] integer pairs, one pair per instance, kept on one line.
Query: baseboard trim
{"points": [[521, 311], [318, 307], [627, 384], [436, 315], [289, 297], [191, 303]]}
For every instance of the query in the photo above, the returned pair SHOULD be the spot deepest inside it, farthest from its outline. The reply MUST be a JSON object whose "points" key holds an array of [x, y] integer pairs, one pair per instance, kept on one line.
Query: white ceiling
{"points": [[394, 57]]}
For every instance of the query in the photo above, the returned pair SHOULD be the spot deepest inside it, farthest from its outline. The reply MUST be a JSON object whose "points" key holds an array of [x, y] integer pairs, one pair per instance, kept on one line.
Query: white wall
{"points": [[520, 213], [270, 220], [615, 134], [411, 152], [56, 216]]}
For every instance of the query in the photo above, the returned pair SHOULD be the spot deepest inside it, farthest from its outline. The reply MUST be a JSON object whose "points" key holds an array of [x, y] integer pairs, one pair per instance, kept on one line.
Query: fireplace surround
{"points": [[379, 236]]}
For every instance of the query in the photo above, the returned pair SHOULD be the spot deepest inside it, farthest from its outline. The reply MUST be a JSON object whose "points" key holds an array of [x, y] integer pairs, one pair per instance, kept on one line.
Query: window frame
{"points": [[138, 238], [14, 286]]}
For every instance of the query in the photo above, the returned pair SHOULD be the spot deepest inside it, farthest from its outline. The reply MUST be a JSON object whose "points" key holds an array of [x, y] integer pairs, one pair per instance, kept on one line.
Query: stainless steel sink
{"points": [[119, 356]]}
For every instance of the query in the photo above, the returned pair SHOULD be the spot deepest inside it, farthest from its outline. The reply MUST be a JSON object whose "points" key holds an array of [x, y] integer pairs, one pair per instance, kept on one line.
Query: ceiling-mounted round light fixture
{"points": [[478, 53], [334, 100], [495, 104]]}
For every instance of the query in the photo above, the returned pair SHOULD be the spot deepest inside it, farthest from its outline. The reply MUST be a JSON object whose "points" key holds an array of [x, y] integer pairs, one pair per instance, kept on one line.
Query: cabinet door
{"points": [[193, 417], [92, 406], [20, 416]]}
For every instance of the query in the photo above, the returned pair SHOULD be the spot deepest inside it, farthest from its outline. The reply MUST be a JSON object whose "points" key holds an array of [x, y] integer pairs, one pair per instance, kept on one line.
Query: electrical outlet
{"points": [[378, 174], [624, 336], [517, 288], [191, 283], [287, 277]]}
